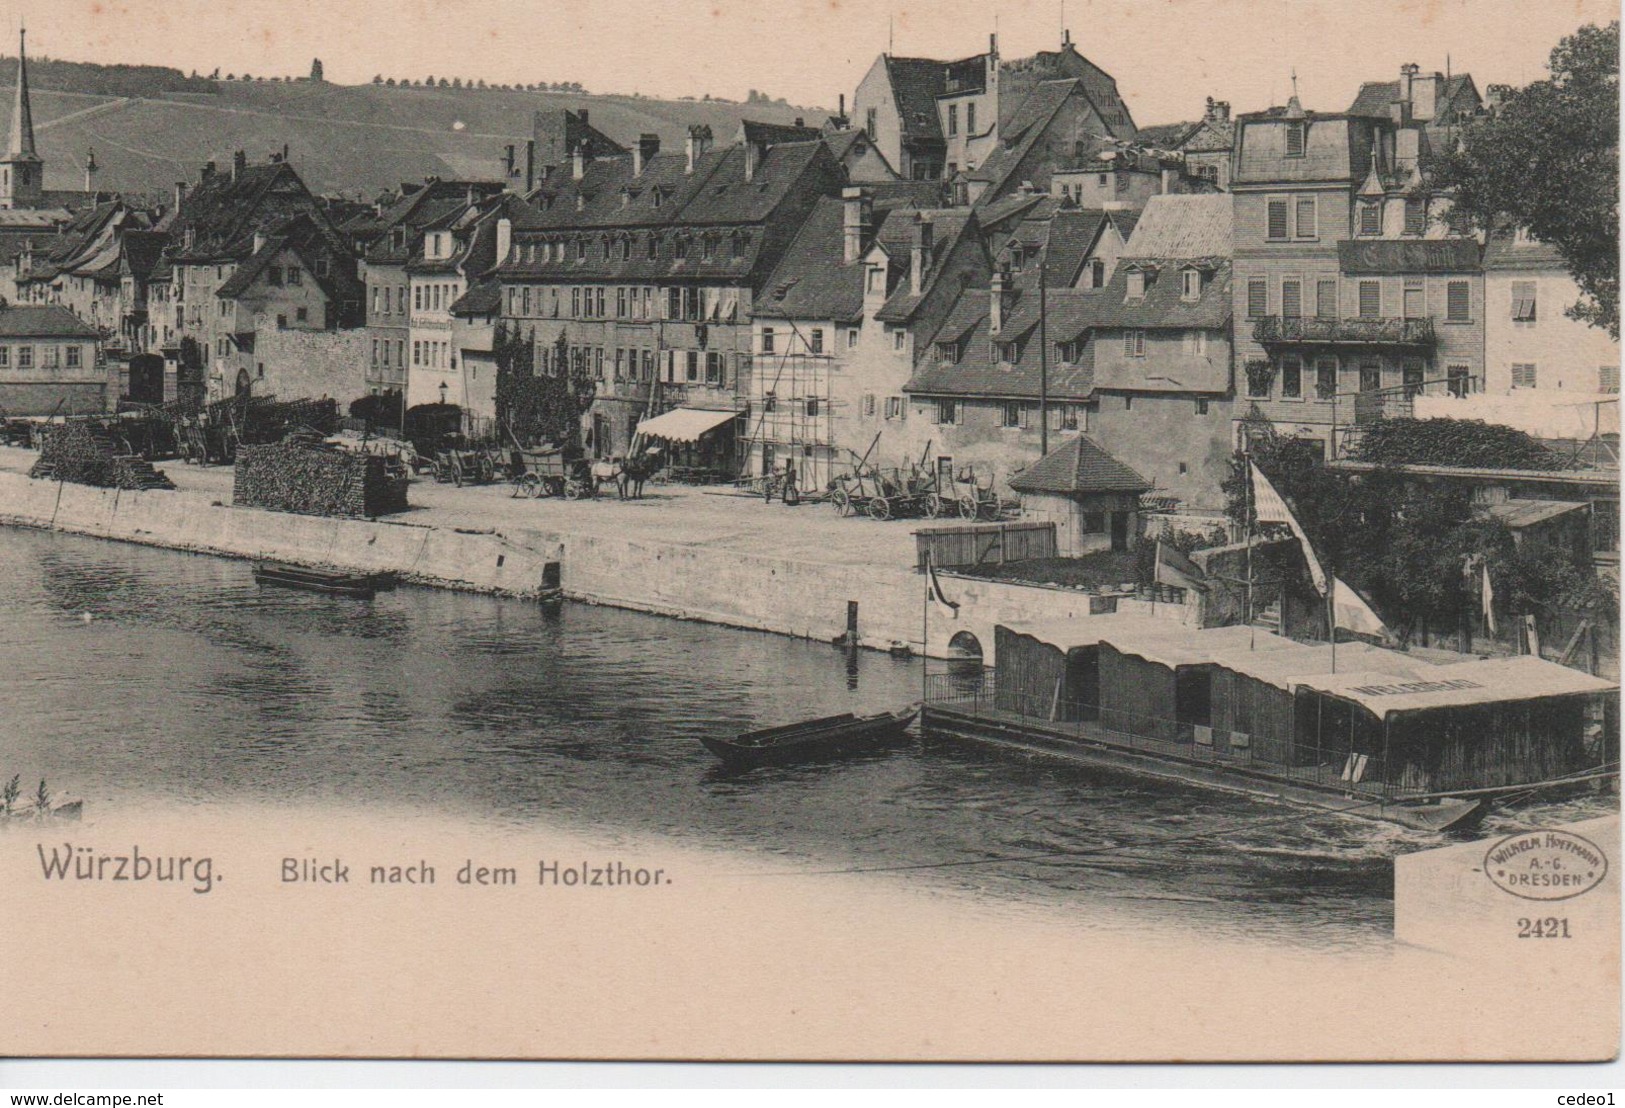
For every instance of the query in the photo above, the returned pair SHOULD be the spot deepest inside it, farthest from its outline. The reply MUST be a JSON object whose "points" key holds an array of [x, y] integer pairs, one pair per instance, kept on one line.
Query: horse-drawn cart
{"points": [[550, 472]]}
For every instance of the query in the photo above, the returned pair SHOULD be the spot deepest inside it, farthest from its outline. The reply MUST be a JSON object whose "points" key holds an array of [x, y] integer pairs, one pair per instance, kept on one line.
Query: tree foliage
{"points": [[1404, 545], [1453, 442], [540, 408], [1546, 157]]}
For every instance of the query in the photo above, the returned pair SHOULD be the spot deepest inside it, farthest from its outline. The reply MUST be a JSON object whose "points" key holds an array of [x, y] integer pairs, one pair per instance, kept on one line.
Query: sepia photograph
{"points": [[864, 531]]}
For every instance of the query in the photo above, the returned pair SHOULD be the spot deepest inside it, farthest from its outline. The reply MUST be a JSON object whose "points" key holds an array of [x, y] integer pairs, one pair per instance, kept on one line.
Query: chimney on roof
{"points": [[578, 161], [530, 165], [699, 145], [644, 152], [504, 239], [1426, 93], [259, 241], [920, 253], [239, 162], [508, 162], [801, 121], [995, 303], [180, 194], [855, 208], [582, 116], [754, 153], [993, 45], [1066, 38]]}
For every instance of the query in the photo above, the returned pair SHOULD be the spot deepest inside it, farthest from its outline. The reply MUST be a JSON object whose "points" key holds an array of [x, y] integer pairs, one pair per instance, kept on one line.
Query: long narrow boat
{"points": [[811, 740], [334, 582]]}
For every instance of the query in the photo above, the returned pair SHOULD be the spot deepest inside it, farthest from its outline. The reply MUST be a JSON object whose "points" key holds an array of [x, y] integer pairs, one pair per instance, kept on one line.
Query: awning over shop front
{"points": [[683, 424]]}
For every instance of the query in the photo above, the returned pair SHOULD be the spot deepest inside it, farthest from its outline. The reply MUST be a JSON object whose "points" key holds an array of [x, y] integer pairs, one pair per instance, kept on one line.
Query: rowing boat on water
{"points": [[331, 581], [811, 740]]}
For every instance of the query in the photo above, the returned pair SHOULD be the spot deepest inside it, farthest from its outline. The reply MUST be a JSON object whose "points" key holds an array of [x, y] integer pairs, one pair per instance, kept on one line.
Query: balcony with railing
{"points": [[1384, 331]]}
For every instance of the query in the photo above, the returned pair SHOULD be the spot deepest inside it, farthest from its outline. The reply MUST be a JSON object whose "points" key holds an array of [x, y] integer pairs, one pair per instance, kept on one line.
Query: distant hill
{"points": [[151, 127]]}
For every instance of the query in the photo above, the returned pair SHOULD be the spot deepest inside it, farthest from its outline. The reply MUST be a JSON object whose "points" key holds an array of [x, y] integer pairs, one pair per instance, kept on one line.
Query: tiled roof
{"points": [[41, 322], [1375, 97], [243, 277], [482, 299], [1163, 307], [812, 280], [950, 225], [225, 210], [977, 373], [771, 134], [1165, 136], [1071, 234], [707, 208], [1183, 227], [1079, 466], [1025, 129], [1125, 220], [916, 83], [1408, 256], [1503, 252]]}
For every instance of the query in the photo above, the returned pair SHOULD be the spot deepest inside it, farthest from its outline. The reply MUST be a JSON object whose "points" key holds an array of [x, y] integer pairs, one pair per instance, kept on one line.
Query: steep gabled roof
{"points": [[916, 83], [1024, 131], [1166, 136], [222, 212], [812, 280], [950, 225], [1079, 466], [1194, 226], [481, 299], [1376, 97]]}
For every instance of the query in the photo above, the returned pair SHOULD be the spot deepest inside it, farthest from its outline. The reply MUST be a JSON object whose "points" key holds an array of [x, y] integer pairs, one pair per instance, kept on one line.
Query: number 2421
{"points": [[1552, 927]]}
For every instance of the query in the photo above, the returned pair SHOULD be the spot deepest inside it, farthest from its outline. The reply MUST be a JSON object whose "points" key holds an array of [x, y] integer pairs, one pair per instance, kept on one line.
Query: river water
{"points": [[135, 676]]}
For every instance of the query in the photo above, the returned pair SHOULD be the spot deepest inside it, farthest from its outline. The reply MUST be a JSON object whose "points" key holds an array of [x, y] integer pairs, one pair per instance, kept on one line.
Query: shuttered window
{"points": [[1608, 378], [1370, 299], [1258, 295], [1306, 217], [1325, 378], [1458, 302], [1326, 299], [1416, 217], [1277, 229], [1291, 299], [1523, 375], [1371, 219], [1294, 140], [1415, 300], [1134, 344], [1523, 301]]}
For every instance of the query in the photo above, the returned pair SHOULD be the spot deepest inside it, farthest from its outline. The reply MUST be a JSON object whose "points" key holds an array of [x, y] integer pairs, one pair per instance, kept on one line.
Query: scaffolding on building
{"points": [[792, 415]]}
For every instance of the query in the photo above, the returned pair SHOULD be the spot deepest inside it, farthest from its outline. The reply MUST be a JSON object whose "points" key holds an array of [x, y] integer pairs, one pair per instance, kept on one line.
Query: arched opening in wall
{"points": [[245, 384], [147, 379], [964, 647]]}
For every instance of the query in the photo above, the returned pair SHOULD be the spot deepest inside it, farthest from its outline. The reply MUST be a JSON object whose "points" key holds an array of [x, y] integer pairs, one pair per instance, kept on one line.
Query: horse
{"points": [[633, 472]]}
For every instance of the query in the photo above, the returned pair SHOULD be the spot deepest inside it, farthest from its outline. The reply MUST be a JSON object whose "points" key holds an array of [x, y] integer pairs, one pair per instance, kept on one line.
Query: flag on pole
{"points": [[1352, 613], [934, 591], [1270, 508], [1488, 597]]}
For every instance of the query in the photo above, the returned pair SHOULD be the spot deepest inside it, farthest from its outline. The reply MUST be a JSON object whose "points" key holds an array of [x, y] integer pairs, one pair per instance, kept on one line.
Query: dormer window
{"points": [[1009, 352], [948, 352], [1136, 285], [581, 250], [679, 249], [1191, 287], [654, 247], [877, 280], [1295, 135]]}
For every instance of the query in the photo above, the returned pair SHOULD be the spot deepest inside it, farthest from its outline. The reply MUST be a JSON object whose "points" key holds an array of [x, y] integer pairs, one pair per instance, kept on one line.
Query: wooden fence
{"points": [[974, 544]]}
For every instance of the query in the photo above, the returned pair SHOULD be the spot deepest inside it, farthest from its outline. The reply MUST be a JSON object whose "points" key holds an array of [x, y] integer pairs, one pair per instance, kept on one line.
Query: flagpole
{"points": [[925, 633], [1247, 537]]}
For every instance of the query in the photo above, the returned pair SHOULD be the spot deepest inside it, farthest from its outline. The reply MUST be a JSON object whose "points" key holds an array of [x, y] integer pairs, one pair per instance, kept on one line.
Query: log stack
{"points": [[312, 479], [85, 453]]}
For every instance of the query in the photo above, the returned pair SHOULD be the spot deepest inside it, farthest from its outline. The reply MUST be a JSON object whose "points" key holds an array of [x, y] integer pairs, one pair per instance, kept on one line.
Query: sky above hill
{"points": [[1167, 55]]}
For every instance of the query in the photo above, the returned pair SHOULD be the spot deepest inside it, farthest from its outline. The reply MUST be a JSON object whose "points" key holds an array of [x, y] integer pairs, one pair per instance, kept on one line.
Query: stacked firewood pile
{"points": [[86, 453], [310, 478]]}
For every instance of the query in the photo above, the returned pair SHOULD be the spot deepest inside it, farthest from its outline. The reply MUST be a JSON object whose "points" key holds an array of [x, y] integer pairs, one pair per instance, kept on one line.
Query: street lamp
{"points": [[442, 392]]}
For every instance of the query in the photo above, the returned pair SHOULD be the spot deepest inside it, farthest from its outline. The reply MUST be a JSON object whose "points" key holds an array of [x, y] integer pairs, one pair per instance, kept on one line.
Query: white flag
{"points": [[1352, 613], [1270, 508]]}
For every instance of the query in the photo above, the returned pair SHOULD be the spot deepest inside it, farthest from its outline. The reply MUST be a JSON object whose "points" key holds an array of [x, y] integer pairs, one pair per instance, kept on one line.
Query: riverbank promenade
{"points": [[691, 552]]}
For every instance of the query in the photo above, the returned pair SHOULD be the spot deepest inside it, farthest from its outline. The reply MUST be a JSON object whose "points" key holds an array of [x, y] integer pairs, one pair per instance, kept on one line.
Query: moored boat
{"points": [[810, 740], [335, 582]]}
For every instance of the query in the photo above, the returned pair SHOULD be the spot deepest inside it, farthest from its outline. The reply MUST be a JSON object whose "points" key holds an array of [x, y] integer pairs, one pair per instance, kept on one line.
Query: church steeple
{"points": [[22, 173], [22, 113]]}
